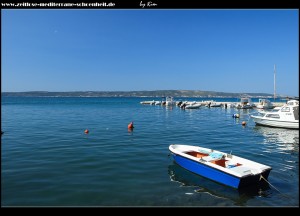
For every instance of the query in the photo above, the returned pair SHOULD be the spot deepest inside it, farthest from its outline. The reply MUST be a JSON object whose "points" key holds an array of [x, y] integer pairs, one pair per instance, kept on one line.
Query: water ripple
{"points": [[48, 160]]}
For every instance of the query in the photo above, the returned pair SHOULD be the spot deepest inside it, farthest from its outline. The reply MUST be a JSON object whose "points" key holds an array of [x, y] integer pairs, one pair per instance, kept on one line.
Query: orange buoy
{"points": [[244, 123], [130, 126], [86, 131]]}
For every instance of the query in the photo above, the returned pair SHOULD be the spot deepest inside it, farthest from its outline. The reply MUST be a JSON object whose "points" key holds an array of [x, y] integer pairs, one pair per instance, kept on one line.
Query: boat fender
{"points": [[235, 115]]}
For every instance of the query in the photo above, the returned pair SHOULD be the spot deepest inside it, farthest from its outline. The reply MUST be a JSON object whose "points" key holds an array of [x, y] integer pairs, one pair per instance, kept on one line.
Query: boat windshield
{"points": [[293, 103], [274, 110]]}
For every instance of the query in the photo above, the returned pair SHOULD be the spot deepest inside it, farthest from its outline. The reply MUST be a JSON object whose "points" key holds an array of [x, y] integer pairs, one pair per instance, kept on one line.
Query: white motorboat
{"points": [[170, 101], [231, 105], [245, 103], [264, 104], [215, 104], [148, 102], [285, 117], [193, 106], [158, 103]]}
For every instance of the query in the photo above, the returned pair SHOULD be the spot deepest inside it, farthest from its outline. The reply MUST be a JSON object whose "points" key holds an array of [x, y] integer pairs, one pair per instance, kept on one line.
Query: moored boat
{"points": [[148, 102], [170, 101], [193, 105], [245, 103], [286, 116], [264, 104], [224, 168], [215, 104]]}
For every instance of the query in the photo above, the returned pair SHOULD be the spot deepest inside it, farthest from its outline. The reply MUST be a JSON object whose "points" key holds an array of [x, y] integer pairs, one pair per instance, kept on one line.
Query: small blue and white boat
{"points": [[224, 168]]}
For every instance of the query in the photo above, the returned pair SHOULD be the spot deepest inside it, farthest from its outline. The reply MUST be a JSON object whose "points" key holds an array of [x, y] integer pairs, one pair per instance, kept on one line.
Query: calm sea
{"points": [[48, 160]]}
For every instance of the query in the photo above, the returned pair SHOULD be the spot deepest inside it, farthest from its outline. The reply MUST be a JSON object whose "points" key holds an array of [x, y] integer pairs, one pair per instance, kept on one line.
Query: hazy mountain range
{"points": [[157, 93]]}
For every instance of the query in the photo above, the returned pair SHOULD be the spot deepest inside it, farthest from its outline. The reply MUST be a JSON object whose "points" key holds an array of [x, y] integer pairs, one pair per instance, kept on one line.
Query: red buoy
{"points": [[130, 126], [86, 131]]}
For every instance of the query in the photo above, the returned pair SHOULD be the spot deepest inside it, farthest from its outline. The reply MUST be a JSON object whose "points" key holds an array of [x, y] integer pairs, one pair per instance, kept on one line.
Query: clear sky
{"points": [[157, 49]]}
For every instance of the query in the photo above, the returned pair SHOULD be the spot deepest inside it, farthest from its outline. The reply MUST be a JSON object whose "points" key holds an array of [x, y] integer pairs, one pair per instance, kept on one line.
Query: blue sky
{"points": [[130, 50]]}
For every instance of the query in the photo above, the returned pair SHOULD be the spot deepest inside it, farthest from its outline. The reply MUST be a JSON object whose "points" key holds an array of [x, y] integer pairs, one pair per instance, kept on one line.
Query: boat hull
{"points": [[217, 175], [275, 123], [193, 107]]}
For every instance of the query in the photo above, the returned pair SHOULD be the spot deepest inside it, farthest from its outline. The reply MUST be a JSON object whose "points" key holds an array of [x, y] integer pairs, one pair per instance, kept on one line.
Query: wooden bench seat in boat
{"points": [[220, 162]]}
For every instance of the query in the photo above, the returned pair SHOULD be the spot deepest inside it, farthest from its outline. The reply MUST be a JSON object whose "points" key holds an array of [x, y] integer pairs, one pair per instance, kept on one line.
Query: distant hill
{"points": [[157, 93]]}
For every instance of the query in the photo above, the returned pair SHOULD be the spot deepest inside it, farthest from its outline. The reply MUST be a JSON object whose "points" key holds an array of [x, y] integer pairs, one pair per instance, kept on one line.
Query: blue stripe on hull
{"points": [[207, 171]]}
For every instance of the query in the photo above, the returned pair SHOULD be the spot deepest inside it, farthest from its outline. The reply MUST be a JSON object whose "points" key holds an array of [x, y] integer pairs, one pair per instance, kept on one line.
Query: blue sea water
{"points": [[48, 160]]}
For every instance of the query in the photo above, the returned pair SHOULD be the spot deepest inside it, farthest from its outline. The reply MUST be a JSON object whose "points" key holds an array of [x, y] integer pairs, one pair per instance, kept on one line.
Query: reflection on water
{"points": [[204, 185], [285, 139]]}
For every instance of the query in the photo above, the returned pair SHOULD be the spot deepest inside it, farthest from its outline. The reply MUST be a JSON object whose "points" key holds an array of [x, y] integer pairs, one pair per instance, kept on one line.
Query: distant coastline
{"points": [[157, 93]]}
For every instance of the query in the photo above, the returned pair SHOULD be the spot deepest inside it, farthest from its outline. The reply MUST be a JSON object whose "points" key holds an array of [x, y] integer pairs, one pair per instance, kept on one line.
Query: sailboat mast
{"points": [[274, 82]]}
